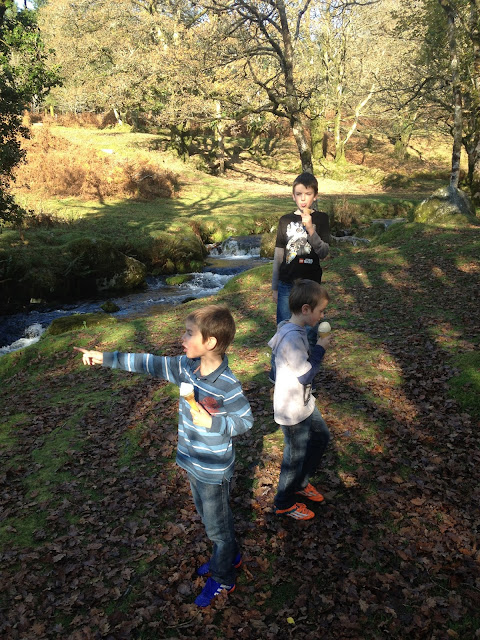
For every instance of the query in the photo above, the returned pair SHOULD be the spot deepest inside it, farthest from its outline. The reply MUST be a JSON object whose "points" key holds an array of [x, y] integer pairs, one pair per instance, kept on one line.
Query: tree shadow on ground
{"points": [[391, 553]]}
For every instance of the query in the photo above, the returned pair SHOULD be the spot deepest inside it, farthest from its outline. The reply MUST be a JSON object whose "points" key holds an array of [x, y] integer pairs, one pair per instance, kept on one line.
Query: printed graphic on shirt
{"points": [[297, 243], [211, 405]]}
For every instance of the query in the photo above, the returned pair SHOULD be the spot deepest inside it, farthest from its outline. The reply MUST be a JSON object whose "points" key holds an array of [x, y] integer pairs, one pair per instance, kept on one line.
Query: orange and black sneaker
{"points": [[299, 512], [311, 493]]}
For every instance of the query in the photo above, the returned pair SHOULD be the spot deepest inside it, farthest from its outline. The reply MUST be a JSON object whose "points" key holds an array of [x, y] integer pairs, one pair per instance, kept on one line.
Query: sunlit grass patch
{"points": [[450, 338], [465, 386], [49, 458], [363, 360], [273, 442]]}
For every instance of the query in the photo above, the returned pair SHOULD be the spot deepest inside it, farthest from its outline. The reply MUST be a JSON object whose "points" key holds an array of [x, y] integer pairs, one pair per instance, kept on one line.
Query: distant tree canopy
{"points": [[23, 77], [324, 66]]}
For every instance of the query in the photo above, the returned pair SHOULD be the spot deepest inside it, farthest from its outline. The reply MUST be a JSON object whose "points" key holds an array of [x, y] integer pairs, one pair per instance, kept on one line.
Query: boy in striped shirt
{"points": [[205, 448]]}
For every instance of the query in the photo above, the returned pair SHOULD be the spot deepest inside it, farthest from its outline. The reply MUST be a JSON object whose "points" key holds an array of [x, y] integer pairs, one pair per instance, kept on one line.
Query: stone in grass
{"points": [[179, 279], [78, 321], [109, 307], [447, 204]]}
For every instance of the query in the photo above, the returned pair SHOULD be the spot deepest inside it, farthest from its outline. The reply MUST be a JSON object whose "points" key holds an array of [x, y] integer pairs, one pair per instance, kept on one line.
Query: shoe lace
{"points": [[301, 507]]}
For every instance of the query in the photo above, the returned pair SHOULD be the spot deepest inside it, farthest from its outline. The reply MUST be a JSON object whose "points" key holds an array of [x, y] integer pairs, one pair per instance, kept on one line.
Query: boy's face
{"points": [[304, 196], [315, 315], [192, 341]]}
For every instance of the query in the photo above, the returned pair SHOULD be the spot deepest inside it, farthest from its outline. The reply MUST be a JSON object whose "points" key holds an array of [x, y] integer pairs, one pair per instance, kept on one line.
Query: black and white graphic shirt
{"points": [[302, 252]]}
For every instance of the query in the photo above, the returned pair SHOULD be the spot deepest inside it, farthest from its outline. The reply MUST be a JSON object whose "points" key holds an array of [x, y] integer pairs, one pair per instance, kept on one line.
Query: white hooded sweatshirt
{"points": [[292, 401]]}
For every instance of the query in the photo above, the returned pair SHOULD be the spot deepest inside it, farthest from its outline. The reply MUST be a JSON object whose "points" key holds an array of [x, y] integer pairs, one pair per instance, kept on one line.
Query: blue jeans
{"points": [[284, 313], [305, 444], [213, 505]]}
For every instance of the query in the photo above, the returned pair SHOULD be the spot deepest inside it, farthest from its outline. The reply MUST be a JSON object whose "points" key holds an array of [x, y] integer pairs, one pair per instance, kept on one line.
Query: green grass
{"points": [[465, 387], [8, 437]]}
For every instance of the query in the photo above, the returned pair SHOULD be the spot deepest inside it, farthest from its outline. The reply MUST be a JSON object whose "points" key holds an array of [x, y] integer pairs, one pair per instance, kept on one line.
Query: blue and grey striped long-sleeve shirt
{"points": [[208, 454]]}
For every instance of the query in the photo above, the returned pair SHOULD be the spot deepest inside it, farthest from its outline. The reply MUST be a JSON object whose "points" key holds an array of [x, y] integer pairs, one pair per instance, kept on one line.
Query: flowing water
{"points": [[224, 261]]}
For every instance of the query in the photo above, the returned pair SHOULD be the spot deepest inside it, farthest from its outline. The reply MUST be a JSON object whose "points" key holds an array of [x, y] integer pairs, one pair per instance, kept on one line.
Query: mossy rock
{"points": [[41, 282], [447, 204], [179, 279], [95, 265], [109, 307], [170, 254], [78, 321]]}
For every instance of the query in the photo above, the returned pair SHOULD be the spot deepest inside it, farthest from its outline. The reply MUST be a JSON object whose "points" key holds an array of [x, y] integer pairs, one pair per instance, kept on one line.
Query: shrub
{"points": [[86, 119], [56, 167], [344, 214], [352, 214], [267, 248], [170, 253]]}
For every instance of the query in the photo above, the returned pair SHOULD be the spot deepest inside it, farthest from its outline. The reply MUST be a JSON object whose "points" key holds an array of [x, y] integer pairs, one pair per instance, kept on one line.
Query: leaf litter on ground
{"points": [[99, 534]]}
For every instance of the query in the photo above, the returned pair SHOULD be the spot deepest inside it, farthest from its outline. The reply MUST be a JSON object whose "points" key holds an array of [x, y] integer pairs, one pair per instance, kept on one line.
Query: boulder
{"points": [[109, 307], [95, 265], [131, 275], [446, 204], [78, 321]]}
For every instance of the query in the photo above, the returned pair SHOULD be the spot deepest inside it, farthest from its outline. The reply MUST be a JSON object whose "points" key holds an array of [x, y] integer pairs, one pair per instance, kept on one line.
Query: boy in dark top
{"points": [[302, 241], [206, 426]]}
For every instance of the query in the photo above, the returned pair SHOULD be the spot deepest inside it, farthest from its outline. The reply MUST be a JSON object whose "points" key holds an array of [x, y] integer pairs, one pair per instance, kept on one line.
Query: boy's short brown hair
{"points": [[306, 292], [215, 321], [308, 180]]}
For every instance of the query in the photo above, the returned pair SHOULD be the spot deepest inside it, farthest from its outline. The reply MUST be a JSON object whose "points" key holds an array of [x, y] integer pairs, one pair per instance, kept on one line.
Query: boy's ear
{"points": [[306, 308], [211, 343]]}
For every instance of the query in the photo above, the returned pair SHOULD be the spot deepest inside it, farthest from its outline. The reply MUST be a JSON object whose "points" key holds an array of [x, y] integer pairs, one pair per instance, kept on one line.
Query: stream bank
{"points": [[224, 261]]}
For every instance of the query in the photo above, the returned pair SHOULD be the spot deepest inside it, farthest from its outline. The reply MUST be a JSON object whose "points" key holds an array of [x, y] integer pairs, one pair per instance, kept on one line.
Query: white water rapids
{"points": [[225, 261]]}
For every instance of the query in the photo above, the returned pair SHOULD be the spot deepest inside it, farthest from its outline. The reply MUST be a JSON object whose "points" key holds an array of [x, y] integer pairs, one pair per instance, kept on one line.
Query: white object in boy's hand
{"points": [[324, 327], [187, 392]]}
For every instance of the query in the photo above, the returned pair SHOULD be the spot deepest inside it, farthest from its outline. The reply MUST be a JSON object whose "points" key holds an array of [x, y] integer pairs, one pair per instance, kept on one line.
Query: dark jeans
{"points": [[213, 505], [305, 444], [284, 313]]}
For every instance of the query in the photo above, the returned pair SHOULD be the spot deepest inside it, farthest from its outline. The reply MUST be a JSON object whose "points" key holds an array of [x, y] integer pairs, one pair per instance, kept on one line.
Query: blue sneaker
{"points": [[204, 570], [210, 591]]}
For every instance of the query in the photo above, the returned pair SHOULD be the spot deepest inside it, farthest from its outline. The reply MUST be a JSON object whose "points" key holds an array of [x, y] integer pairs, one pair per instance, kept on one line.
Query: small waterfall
{"points": [[238, 247], [31, 335], [227, 259]]}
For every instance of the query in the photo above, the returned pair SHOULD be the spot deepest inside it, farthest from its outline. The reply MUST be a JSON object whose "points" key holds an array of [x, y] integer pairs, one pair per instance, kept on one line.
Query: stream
{"points": [[224, 261]]}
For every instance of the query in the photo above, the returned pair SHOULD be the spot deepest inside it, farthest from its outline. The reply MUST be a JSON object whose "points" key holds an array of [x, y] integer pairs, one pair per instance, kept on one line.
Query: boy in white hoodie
{"points": [[305, 432]]}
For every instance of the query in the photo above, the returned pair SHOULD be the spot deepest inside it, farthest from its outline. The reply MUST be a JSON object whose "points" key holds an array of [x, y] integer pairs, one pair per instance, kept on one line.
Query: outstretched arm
{"points": [[90, 357]]}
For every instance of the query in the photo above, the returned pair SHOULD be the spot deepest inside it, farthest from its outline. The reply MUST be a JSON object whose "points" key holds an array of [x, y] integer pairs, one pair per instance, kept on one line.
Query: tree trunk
{"points": [[475, 184], [303, 143], [472, 147], [319, 136], [220, 141], [474, 171], [457, 93], [402, 134], [118, 117], [353, 128], [339, 146]]}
